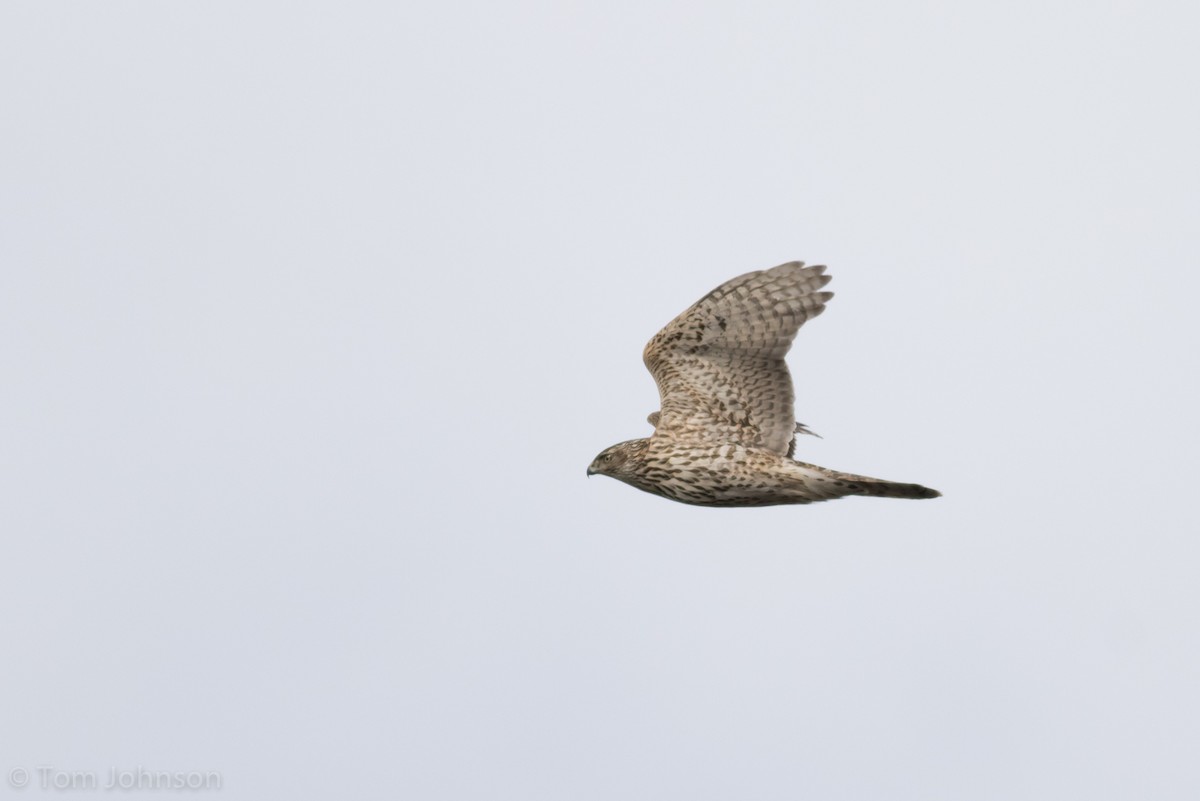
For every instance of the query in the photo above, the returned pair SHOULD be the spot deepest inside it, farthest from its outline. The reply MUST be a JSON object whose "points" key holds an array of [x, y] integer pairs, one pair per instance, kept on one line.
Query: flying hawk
{"points": [[727, 429]]}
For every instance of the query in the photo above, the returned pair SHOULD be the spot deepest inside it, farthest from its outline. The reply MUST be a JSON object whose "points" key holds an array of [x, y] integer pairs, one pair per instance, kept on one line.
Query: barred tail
{"points": [[877, 487], [893, 489]]}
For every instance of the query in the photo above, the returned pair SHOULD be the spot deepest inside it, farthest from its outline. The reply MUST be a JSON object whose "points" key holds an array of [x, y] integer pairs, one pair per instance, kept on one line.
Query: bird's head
{"points": [[619, 461]]}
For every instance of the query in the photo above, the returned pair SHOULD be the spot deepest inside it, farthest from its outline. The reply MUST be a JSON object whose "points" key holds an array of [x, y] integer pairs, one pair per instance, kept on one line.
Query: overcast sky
{"points": [[312, 317]]}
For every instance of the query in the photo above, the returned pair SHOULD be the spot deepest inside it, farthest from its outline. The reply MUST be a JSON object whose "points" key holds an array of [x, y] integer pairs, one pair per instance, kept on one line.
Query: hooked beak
{"points": [[591, 472]]}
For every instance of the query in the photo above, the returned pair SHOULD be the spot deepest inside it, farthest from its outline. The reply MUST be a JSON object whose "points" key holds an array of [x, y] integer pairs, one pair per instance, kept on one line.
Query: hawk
{"points": [[726, 432]]}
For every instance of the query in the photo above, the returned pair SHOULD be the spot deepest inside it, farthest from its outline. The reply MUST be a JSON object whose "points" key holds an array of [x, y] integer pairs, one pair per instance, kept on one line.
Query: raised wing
{"points": [[719, 366]]}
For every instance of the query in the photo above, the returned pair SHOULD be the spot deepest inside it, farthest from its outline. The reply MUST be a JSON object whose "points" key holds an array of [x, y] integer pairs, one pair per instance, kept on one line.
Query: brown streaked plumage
{"points": [[726, 431]]}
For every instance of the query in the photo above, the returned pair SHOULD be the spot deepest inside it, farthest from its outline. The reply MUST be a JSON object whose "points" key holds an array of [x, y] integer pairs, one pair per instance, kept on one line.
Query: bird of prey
{"points": [[726, 432]]}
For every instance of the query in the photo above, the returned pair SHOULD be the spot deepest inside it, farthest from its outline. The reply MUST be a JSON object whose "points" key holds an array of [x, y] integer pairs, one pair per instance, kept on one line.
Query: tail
{"points": [[892, 489], [850, 484]]}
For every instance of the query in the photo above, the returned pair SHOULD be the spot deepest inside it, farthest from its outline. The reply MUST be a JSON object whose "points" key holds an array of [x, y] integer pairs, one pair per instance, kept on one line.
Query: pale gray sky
{"points": [[313, 315]]}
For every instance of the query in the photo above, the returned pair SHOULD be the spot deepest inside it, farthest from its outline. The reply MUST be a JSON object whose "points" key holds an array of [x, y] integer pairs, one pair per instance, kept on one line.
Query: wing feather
{"points": [[720, 365]]}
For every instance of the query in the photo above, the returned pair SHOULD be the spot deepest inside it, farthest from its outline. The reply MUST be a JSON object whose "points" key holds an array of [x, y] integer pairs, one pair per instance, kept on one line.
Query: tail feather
{"points": [[893, 489], [879, 488]]}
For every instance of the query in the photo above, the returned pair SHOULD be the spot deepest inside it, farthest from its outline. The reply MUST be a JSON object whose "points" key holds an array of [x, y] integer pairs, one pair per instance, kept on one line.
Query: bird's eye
{"points": [[606, 456]]}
